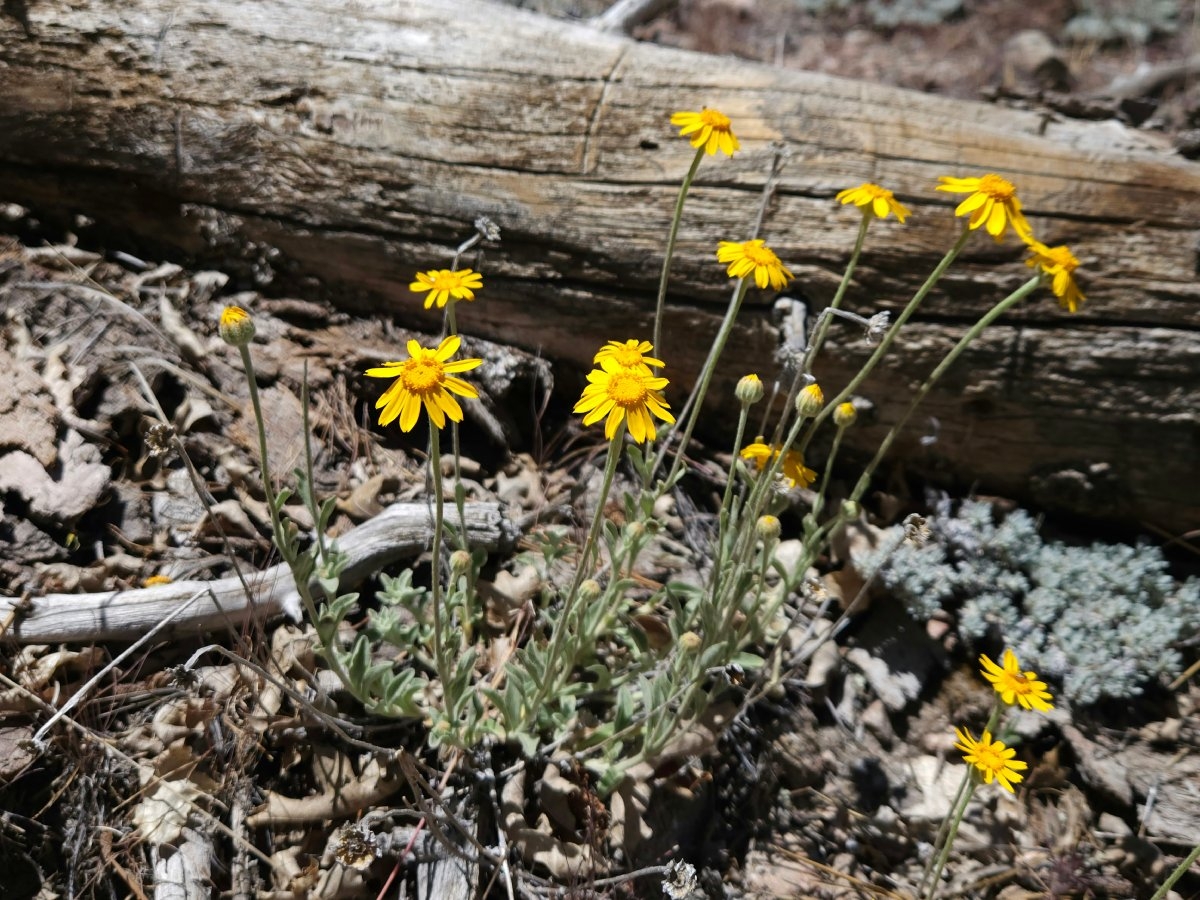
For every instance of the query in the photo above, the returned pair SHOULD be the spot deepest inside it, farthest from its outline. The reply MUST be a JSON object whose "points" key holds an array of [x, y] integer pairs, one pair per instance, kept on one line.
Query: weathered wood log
{"points": [[339, 149], [401, 530]]}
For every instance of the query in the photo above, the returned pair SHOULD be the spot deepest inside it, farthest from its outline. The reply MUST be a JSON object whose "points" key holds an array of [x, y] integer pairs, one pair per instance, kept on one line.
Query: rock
{"points": [[1031, 59]]}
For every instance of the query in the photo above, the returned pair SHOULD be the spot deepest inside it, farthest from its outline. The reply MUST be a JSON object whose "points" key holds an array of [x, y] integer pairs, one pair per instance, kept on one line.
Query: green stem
{"points": [[590, 546], [435, 563], [696, 401], [666, 269], [994, 313], [823, 327], [1179, 872], [885, 344], [327, 636], [949, 831]]}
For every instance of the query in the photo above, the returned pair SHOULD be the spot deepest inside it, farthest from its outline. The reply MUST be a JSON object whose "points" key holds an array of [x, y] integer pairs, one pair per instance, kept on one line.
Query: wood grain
{"points": [[334, 150]]}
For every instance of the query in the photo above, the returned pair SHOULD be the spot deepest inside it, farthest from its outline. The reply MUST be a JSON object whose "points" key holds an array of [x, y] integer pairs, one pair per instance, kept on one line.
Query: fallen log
{"points": [[335, 150], [401, 530]]}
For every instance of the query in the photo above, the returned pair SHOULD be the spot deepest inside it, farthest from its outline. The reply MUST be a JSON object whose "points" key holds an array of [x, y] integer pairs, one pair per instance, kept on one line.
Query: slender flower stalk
{"points": [[711, 132], [441, 662], [1179, 872], [988, 318], [886, 343], [590, 548], [744, 260], [672, 235]]}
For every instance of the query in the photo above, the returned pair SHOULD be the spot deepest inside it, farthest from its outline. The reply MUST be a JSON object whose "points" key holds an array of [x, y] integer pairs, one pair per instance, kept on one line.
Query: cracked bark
{"points": [[334, 151]]}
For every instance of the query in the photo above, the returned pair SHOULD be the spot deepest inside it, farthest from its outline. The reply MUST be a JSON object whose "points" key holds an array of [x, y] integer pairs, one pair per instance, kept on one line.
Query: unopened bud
{"points": [[768, 528], [690, 641], [749, 390], [460, 562], [589, 590], [845, 415], [850, 509], [810, 400], [236, 328]]}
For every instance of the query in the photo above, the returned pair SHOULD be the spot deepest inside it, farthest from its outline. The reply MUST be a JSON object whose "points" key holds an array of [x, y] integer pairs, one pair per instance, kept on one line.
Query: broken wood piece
{"points": [[401, 530]]}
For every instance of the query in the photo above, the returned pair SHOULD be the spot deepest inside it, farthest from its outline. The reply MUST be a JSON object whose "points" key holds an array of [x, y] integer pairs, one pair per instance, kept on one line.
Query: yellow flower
{"points": [[1060, 264], [425, 377], [758, 453], [1015, 686], [629, 355], [620, 393], [992, 203], [155, 580], [710, 128], [871, 198], [443, 284], [991, 759], [793, 470], [754, 256]]}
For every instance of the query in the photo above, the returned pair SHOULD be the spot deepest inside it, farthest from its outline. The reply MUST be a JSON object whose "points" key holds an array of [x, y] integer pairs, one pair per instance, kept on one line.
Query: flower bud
{"points": [[236, 328], [749, 390], [845, 414], [768, 528], [690, 641], [810, 400], [589, 590], [850, 509], [460, 562]]}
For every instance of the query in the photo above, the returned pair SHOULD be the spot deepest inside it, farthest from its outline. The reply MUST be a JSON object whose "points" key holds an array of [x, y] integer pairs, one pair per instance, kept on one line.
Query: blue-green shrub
{"points": [[1100, 620]]}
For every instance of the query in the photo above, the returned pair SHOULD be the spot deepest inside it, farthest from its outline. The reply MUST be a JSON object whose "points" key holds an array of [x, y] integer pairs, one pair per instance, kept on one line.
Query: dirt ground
{"points": [[833, 786]]}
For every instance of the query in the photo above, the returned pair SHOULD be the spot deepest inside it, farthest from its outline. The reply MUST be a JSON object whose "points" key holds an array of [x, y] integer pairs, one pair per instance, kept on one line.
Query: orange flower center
{"points": [[628, 357], [1062, 256], [422, 376], [1020, 679], [445, 280], [876, 192], [627, 389], [997, 188], [989, 758], [762, 257], [715, 120]]}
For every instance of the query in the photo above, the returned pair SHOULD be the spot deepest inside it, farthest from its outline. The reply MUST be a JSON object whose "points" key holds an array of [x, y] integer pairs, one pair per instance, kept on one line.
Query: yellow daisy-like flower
{"points": [[991, 759], [629, 355], [622, 393], [793, 470], [1060, 264], [443, 284], [426, 377], [873, 199], [709, 129], [754, 256], [1015, 686], [992, 204]]}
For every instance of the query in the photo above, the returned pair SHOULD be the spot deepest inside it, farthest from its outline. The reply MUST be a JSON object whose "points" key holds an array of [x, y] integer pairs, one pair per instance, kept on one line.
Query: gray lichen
{"points": [[1100, 620]]}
